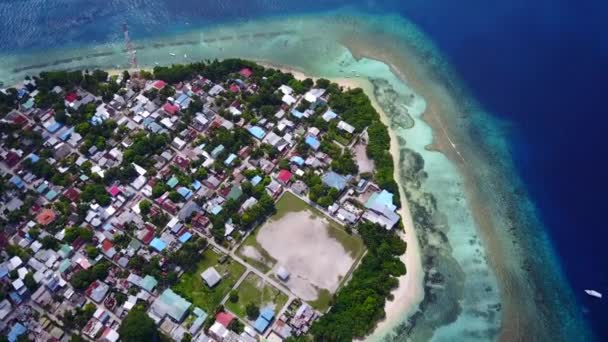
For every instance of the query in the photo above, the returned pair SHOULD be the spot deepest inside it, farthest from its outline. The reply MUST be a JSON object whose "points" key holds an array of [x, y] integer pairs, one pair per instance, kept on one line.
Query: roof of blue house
{"points": [[267, 314], [261, 324], [158, 244], [34, 158], [297, 113], [230, 159], [257, 132], [185, 237], [334, 180], [256, 180], [17, 181], [297, 160], [313, 142], [185, 192], [172, 182]]}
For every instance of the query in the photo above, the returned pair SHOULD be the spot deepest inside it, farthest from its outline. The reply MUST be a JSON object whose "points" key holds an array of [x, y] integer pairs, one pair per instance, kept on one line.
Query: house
{"points": [[169, 304], [313, 142], [178, 143], [211, 277], [329, 115], [284, 177], [334, 180], [257, 132], [170, 108], [45, 217], [282, 273], [381, 209], [158, 85], [246, 72], [224, 318], [343, 125]]}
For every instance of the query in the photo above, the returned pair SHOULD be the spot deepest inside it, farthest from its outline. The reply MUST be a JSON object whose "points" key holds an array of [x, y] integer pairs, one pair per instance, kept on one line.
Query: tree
{"points": [[137, 326], [144, 207], [252, 310], [236, 326], [234, 296], [30, 283]]}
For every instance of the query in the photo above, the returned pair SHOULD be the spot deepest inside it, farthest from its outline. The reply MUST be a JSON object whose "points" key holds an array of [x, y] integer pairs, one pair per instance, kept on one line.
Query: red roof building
{"points": [[12, 159], [71, 97], [45, 217], [72, 194], [284, 177], [246, 72], [224, 318], [114, 191], [234, 88], [158, 85], [170, 108], [106, 245]]}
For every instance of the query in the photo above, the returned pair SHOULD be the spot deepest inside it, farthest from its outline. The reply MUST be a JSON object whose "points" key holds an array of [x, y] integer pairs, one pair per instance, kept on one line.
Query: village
{"points": [[223, 205]]}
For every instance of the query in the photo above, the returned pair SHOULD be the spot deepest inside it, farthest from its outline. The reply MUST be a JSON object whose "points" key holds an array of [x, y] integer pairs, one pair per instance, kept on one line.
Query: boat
{"points": [[185, 55], [156, 63], [593, 293], [172, 54]]}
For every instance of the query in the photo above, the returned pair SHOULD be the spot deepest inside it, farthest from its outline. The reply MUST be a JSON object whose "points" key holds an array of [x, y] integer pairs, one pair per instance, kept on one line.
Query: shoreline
{"points": [[410, 291]]}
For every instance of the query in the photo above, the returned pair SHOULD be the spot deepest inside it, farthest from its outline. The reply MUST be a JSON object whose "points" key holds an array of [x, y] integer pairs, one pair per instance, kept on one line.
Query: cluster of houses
{"points": [[37, 271]]}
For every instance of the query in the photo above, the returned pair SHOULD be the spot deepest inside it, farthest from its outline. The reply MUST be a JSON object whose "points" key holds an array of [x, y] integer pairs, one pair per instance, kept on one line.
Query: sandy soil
{"points": [[365, 164], [301, 243], [252, 253]]}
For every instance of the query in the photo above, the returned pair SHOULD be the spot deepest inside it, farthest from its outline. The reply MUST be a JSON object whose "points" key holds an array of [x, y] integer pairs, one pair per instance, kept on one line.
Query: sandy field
{"points": [[365, 164], [301, 243]]}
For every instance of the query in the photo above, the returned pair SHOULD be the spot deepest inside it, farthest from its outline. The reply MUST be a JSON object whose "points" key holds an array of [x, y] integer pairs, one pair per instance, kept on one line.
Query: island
{"points": [[220, 199]]}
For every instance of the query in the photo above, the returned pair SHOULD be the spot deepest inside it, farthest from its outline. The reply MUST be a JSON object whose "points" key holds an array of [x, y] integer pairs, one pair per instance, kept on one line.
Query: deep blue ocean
{"points": [[540, 65]]}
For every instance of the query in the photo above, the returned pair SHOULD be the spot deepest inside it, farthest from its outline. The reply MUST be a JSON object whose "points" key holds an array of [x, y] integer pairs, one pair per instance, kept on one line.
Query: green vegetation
{"points": [[360, 304], [82, 279], [137, 326], [254, 291], [192, 287], [356, 108]]}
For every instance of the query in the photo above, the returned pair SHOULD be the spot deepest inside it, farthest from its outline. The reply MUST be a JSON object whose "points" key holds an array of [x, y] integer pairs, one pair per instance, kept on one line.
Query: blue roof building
{"points": [[185, 192], [42, 188], [158, 244], [216, 210], [34, 158], [297, 160], [313, 142], [67, 134], [54, 127], [256, 180], [329, 115], [16, 331], [185, 237], [172, 182], [18, 182], [257, 131], [51, 195], [230, 159], [216, 151], [296, 113], [261, 324], [334, 180], [196, 185], [267, 314]]}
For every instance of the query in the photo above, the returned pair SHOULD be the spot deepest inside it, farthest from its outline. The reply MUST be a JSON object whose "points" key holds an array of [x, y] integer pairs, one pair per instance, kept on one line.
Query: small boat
{"points": [[172, 54], [593, 293], [156, 63], [185, 55]]}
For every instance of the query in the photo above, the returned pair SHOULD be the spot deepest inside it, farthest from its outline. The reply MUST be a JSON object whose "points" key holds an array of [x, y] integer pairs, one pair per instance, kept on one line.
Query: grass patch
{"points": [[323, 300], [254, 290], [192, 287]]}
